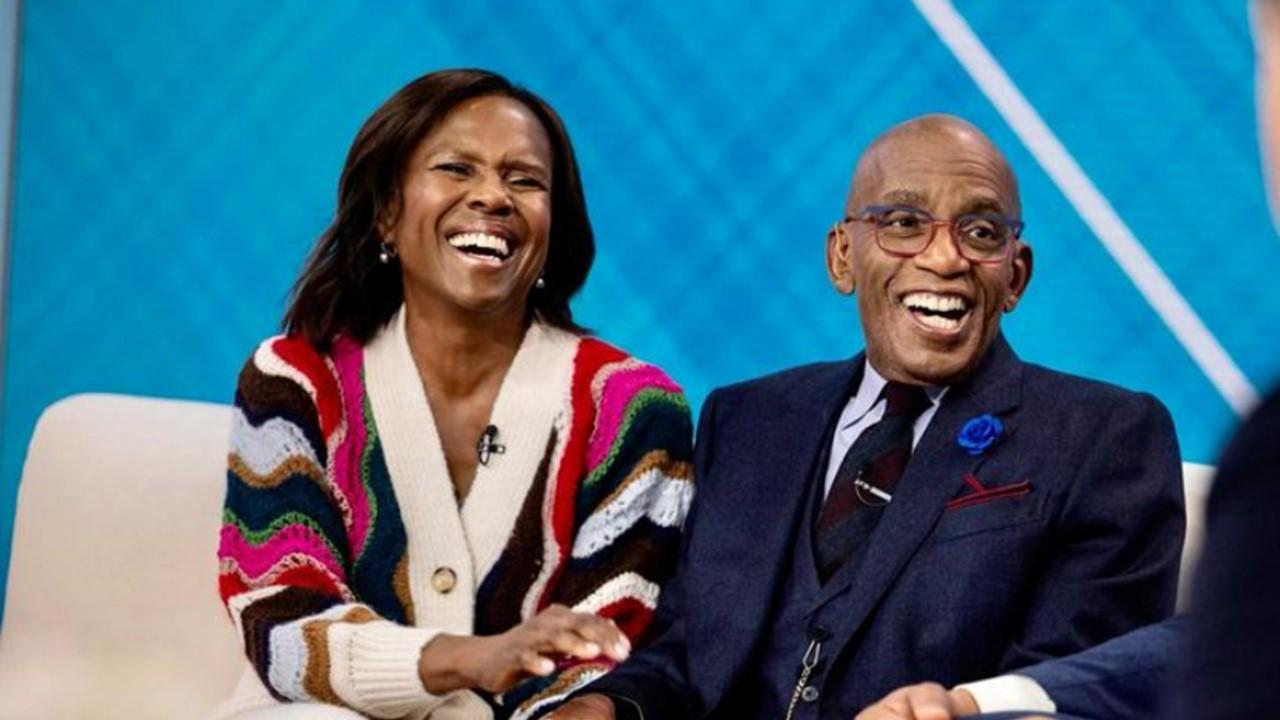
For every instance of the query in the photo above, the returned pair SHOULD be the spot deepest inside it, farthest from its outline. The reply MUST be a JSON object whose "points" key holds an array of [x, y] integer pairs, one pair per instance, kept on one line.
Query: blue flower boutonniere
{"points": [[979, 433]]}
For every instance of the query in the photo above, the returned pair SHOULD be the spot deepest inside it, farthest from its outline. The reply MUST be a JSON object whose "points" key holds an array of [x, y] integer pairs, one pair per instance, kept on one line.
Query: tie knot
{"points": [[904, 399]]}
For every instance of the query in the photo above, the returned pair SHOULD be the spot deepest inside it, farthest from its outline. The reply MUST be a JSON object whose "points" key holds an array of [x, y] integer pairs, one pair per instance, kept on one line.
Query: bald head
{"points": [[940, 136]]}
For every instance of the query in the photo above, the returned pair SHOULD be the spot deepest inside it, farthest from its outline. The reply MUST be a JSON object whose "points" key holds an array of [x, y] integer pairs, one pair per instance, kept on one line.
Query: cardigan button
{"points": [[444, 580]]}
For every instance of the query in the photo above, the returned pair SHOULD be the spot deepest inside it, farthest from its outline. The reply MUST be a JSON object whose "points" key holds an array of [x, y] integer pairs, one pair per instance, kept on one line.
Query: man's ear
{"points": [[1022, 266], [840, 260]]}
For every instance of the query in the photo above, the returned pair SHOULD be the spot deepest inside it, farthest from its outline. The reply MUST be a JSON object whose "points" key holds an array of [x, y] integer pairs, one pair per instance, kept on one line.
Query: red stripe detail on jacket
{"points": [[591, 356], [298, 353]]}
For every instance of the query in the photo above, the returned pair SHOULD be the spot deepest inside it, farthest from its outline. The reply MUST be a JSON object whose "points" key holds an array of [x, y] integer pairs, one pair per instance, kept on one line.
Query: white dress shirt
{"points": [[864, 409]]}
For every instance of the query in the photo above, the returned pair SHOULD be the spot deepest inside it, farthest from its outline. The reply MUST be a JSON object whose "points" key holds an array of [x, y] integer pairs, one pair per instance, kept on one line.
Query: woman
{"points": [[444, 499]]}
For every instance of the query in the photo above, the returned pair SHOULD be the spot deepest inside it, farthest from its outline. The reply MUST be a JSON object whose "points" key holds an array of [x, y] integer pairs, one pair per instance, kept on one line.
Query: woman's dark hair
{"points": [[345, 289]]}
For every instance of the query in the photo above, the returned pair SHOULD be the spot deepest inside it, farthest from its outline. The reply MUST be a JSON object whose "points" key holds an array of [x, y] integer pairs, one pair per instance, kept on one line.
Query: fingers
{"points": [[927, 701], [582, 635], [536, 664], [603, 635], [530, 648], [569, 642]]}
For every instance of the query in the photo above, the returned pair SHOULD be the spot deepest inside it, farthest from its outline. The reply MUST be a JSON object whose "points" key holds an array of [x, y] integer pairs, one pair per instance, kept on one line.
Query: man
{"points": [[1220, 662], [858, 522]]}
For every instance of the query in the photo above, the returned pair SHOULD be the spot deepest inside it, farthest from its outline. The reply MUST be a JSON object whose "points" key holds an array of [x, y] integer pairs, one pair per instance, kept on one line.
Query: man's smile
{"points": [[938, 313]]}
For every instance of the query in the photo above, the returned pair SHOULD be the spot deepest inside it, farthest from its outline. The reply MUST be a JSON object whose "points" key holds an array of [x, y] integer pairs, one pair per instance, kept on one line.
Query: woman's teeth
{"points": [[481, 245]]}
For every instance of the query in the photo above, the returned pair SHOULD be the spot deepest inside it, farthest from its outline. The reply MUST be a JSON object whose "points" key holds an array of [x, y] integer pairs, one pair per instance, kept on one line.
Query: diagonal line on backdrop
{"points": [[1089, 202]]}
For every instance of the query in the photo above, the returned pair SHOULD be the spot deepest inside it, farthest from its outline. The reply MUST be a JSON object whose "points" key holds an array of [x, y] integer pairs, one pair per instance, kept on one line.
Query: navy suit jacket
{"points": [[1220, 661], [953, 584]]}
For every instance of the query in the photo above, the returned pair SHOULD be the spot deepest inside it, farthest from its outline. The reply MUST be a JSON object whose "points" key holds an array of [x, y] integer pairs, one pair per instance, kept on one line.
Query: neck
{"points": [[458, 355]]}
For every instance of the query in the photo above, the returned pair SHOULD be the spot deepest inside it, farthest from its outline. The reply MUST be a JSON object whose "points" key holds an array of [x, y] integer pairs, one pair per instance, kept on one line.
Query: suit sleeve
{"points": [[653, 684], [1111, 560], [631, 507], [1125, 677], [283, 553]]}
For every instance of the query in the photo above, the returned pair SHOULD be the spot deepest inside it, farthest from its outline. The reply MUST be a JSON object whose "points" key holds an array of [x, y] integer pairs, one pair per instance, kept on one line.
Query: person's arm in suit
{"points": [[1125, 677], [1110, 562], [1122, 678], [653, 684]]}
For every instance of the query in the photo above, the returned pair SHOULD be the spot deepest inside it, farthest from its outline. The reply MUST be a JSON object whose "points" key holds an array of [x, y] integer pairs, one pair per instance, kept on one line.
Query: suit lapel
{"points": [[934, 474]]}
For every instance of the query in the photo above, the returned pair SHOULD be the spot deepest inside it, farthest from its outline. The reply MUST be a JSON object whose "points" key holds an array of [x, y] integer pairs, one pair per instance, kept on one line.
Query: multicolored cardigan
{"points": [[343, 551]]}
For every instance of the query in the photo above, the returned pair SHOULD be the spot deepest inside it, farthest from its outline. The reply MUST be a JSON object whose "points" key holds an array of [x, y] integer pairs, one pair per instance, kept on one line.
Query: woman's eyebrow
{"points": [[526, 164]]}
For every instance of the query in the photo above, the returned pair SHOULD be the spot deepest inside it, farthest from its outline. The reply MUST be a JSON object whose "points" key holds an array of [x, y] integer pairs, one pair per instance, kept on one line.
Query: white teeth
{"points": [[939, 321], [934, 301], [463, 241]]}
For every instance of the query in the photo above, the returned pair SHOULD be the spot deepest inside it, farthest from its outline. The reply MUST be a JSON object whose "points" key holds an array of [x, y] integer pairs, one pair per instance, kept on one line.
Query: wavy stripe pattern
{"points": [[654, 495], [313, 560]]}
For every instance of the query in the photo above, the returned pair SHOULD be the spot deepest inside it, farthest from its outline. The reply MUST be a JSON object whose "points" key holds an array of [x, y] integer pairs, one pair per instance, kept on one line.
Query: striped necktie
{"points": [[866, 477]]}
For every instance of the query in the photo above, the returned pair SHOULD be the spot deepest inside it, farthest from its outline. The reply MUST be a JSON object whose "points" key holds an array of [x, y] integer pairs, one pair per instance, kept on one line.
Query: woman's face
{"points": [[475, 210]]}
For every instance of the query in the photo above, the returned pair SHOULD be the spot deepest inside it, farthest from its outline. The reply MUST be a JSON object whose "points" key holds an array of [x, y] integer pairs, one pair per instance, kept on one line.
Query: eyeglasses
{"points": [[904, 231]]}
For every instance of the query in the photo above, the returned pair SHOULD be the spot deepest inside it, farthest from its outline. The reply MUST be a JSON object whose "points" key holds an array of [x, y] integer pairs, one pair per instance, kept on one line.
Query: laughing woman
{"points": [[445, 499]]}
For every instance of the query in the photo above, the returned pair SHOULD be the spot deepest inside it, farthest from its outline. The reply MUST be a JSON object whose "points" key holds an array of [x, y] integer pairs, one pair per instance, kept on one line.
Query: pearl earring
{"points": [[540, 283], [386, 252]]}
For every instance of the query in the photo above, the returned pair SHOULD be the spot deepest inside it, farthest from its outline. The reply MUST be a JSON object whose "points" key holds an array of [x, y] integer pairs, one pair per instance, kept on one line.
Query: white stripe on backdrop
{"points": [[1173, 309]]}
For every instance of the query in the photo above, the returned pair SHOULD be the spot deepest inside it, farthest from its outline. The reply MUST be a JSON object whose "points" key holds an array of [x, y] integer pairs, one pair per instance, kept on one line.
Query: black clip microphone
{"points": [[487, 446]]}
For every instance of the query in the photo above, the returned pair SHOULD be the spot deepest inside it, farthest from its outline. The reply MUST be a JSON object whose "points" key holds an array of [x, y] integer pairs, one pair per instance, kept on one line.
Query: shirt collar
{"points": [[869, 393]]}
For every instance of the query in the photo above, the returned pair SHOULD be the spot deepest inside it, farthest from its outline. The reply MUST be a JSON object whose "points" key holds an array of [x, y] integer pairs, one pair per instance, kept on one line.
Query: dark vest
{"points": [[796, 620]]}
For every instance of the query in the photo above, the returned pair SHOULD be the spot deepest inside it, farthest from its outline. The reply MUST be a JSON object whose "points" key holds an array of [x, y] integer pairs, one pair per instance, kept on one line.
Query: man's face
{"points": [[929, 318]]}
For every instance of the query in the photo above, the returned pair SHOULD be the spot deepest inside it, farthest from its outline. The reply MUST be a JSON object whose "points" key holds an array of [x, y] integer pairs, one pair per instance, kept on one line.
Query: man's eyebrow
{"points": [[905, 197], [983, 205]]}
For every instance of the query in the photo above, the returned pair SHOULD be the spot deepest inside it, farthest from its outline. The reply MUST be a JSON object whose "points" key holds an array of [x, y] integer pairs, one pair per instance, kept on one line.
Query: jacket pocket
{"points": [[989, 510], [1011, 491]]}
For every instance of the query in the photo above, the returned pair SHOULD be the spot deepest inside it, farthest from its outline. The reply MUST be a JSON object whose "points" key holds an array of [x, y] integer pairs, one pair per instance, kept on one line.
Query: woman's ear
{"points": [[388, 215]]}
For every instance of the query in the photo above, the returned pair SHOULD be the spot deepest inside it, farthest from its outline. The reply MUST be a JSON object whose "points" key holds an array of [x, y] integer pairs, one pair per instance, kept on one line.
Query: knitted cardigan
{"points": [[340, 518]]}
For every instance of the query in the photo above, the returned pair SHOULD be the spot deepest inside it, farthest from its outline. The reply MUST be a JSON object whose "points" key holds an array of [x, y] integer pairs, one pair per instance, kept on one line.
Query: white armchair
{"points": [[112, 607]]}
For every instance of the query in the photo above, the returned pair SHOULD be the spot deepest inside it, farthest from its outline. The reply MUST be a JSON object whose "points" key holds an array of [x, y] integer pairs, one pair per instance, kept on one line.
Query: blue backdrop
{"points": [[175, 161]]}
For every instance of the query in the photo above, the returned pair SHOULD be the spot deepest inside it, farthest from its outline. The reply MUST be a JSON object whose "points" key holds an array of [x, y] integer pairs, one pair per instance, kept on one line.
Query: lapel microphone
{"points": [[487, 446]]}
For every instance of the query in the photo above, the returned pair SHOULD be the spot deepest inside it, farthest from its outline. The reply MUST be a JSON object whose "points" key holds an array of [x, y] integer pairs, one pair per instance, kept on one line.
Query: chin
{"points": [[932, 367], [491, 304]]}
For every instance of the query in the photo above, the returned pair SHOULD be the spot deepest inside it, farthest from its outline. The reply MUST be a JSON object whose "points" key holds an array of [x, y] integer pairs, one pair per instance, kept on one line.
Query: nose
{"points": [[942, 255], [489, 195]]}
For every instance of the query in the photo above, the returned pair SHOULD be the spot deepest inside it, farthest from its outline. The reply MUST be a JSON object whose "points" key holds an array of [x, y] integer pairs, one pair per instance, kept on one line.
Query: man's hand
{"points": [[497, 662], [926, 701], [585, 707]]}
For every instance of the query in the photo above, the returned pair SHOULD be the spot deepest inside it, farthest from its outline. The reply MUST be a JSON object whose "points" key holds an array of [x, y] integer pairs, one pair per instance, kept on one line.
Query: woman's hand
{"points": [[495, 663]]}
